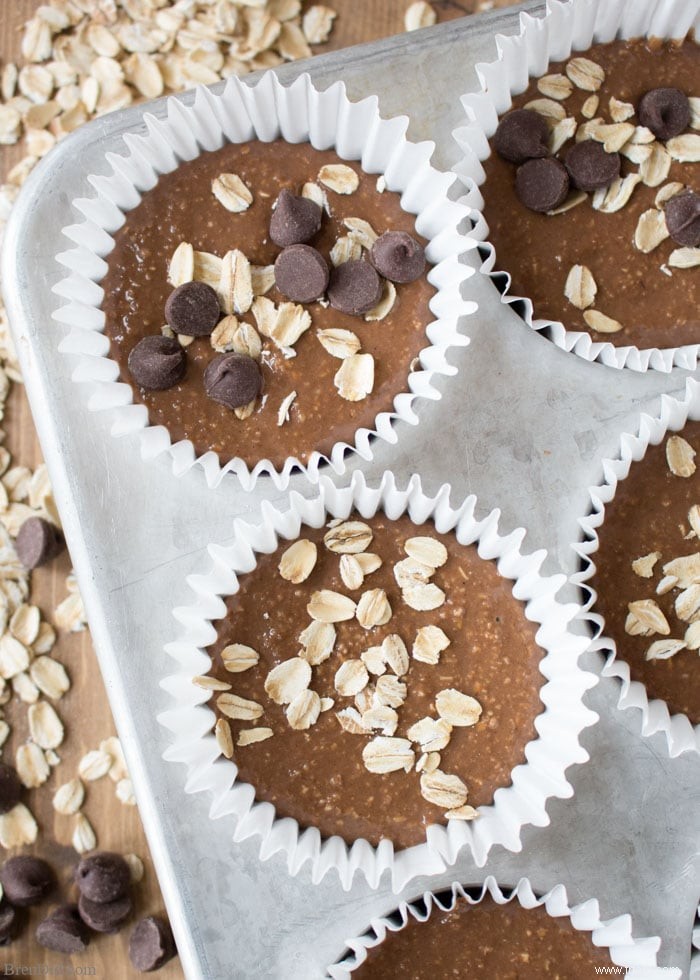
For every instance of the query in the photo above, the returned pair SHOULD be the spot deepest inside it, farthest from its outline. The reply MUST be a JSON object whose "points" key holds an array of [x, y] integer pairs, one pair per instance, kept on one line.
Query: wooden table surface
{"points": [[85, 709]]}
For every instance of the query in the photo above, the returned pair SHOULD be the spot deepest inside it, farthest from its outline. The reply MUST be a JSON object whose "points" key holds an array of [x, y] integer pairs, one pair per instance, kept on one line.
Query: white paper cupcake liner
{"points": [[573, 25], [681, 734], [549, 755], [265, 111], [695, 959], [638, 956]]}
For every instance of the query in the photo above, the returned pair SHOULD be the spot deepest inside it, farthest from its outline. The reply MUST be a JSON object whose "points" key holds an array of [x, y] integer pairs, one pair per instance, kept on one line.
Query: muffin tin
{"points": [[523, 425]]}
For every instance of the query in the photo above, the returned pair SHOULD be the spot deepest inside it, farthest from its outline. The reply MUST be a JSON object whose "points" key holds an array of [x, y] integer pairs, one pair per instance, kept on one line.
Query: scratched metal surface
{"points": [[523, 425]]}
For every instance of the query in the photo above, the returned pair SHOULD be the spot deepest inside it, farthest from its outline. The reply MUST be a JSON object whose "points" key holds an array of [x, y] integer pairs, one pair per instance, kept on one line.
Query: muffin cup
{"points": [[637, 955], [265, 111], [548, 756], [695, 958], [681, 734], [573, 25]]}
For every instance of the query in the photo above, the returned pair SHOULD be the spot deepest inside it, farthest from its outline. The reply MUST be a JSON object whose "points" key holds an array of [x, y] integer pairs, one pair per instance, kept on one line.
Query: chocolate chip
{"points": [[10, 788], [295, 219], [37, 542], [233, 380], [10, 922], [301, 273], [157, 362], [665, 111], [103, 877], [193, 309], [522, 135], [151, 944], [26, 880], [542, 185], [398, 257], [63, 931], [355, 287], [590, 167], [683, 218], [105, 916]]}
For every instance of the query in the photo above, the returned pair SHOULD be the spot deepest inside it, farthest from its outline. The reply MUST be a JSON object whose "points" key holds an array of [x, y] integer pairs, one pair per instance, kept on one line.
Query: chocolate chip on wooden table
{"points": [[355, 287], [665, 111], [157, 363], [683, 218], [26, 880], [398, 256], [38, 542], [233, 380], [591, 167], [105, 916], [151, 944], [10, 922], [542, 185], [63, 931], [295, 219], [301, 273], [522, 135], [193, 309], [10, 788], [103, 877]]}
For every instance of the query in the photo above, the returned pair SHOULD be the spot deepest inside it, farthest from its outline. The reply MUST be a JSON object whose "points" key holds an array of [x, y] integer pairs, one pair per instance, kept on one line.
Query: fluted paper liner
{"points": [[567, 27], [638, 956], [548, 756], [265, 111], [681, 734]]}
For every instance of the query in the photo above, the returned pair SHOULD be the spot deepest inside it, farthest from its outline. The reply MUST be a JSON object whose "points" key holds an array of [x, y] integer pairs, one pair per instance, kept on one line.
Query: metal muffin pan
{"points": [[523, 425]]}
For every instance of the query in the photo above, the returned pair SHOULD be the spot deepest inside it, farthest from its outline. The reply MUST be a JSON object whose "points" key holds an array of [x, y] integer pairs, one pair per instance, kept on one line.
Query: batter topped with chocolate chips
{"points": [[267, 300], [375, 677], [592, 193], [648, 572], [496, 942]]}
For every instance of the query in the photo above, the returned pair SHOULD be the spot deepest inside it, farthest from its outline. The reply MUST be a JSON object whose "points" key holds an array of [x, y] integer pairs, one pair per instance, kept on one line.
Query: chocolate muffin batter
{"points": [[182, 208], [649, 514], [318, 776], [498, 942], [657, 306]]}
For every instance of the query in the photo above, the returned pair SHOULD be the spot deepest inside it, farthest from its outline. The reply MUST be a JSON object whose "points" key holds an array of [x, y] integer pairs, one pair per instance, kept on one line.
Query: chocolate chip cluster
{"points": [[543, 181], [301, 274], [104, 904]]}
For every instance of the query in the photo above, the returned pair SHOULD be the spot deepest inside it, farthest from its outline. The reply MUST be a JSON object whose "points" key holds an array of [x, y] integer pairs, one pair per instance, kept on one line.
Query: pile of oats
{"points": [[79, 60], [637, 144], [680, 573], [376, 682]]}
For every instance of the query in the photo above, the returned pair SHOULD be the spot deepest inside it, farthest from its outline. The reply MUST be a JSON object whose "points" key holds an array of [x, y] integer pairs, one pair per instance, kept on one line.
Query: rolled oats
{"points": [[388, 754], [458, 709], [45, 726], [429, 643], [348, 537], [390, 691], [409, 572], [656, 168], [581, 287], [585, 74], [419, 14], [209, 683], [84, 838], [224, 737], [303, 711], [339, 343], [395, 654], [423, 597], [426, 550], [339, 177], [32, 767], [683, 149], [651, 230], [249, 736], [237, 657], [431, 734], [232, 193], [680, 456], [125, 792], [94, 765], [351, 678], [237, 708], [644, 566], [135, 867], [600, 322], [354, 379], [298, 561], [373, 609], [318, 641], [685, 258], [555, 87], [287, 680], [351, 722], [446, 791], [330, 607], [69, 797], [664, 649], [18, 827], [351, 572]]}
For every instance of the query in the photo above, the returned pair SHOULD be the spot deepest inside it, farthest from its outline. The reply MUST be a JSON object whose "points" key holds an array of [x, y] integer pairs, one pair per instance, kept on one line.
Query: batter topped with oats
{"points": [[375, 677], [495, 942], [592, 193], [267, 300], [648, 572]]}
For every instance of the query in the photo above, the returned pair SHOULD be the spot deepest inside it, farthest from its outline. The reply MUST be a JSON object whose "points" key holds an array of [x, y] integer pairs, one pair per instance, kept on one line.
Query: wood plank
{"points": [[85, 709]]}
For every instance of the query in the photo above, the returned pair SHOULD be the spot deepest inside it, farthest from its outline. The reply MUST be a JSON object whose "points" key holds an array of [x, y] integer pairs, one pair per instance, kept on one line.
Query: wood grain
{"points": [[85, 709]]}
